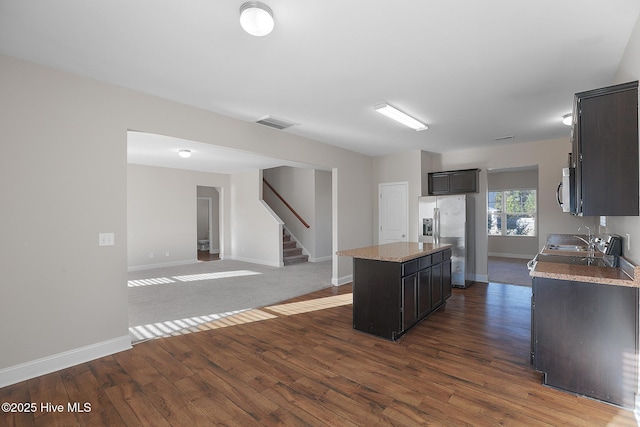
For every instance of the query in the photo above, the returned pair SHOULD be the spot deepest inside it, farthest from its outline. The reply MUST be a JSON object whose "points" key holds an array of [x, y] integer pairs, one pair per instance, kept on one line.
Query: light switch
{"points": [[106, 239]]}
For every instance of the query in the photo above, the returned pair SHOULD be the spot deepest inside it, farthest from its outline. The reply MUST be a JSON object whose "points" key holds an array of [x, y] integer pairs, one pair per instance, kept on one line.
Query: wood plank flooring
{"points": [[467, 364]]}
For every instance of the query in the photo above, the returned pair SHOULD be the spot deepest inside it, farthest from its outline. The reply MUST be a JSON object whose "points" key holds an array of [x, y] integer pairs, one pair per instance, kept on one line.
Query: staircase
{"points": [[291, 253]]}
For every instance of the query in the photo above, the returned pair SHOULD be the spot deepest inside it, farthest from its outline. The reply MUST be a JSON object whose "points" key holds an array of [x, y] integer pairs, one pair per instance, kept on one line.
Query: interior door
{"points": [[393, 212]]}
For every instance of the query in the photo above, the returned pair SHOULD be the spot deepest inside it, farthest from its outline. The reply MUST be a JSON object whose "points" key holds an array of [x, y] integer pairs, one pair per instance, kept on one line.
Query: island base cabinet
{"points": [[585, 338], [391, 297]]}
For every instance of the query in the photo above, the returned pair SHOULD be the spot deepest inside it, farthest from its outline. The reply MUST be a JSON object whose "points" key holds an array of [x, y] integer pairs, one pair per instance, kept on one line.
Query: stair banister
{"points": [[286, 204]]}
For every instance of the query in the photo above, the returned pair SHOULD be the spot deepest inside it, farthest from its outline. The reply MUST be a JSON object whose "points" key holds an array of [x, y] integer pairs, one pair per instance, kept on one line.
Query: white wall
{"points": [[162, 213], [323, 215], [63, 178], [256, 231]]}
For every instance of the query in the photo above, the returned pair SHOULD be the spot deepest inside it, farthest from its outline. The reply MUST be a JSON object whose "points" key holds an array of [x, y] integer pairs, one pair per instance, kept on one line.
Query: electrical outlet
{"points": [[106, 239], [166, 253], [628, 241], [150, 254]]}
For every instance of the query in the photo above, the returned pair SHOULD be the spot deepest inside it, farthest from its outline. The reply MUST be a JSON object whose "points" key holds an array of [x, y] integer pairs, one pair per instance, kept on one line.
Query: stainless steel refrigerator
{"points": [[451, 219]]}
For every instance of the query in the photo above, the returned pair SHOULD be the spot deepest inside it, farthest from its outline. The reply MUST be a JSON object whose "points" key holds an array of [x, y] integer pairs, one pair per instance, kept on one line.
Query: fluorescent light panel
{"points": [[399, 116]]}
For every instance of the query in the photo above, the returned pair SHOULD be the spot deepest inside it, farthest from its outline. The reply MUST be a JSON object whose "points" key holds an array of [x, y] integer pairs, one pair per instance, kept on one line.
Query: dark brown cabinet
{"points": [[391, 297], [604, 141], [584, 338], [453, 182]]}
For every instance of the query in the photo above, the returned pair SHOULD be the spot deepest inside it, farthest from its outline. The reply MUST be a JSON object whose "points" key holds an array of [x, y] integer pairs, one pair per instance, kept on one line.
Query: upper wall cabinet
{"points": [[604, 141], [453, 182]]}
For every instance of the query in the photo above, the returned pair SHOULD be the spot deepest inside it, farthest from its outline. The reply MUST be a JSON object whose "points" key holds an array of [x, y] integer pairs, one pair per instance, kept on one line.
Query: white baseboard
{"points": [[161, 265], [258, 261], [484, 278], [46, 365], [321, 259], [342, 280]]}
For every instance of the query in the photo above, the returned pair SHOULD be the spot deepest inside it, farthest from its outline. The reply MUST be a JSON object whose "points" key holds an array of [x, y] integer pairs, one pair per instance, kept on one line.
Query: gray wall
{"points": [[68, 142]]}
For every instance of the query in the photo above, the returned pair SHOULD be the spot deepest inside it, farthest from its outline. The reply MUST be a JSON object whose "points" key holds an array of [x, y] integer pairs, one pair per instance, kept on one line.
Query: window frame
{"points": [[503, 213]]}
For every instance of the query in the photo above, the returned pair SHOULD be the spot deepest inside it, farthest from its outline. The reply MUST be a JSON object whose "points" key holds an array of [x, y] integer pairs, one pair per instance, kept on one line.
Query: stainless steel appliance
{"points": [[451, 220], [567, 189]]}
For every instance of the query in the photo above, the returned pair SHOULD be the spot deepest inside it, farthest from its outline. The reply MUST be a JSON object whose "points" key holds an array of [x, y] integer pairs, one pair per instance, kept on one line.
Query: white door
{"points": [[393, 211]]}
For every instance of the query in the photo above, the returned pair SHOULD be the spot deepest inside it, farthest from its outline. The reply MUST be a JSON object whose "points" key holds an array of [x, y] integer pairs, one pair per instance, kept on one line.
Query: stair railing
{"points": [[286, 204]]}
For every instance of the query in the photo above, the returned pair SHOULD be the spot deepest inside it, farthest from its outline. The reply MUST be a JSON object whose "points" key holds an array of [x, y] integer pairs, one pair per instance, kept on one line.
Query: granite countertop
{"points": [[395, 252], [628, 275]]}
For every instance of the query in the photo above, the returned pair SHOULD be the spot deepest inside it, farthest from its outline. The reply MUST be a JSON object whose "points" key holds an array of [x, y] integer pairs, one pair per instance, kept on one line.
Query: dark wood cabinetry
{"points": [[584, 338], [453, 182], [604, 141], [391, 297]]}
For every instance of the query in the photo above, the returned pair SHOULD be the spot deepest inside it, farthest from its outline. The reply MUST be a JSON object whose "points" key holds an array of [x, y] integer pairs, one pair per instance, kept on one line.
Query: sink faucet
{"points": [[591, 243]]}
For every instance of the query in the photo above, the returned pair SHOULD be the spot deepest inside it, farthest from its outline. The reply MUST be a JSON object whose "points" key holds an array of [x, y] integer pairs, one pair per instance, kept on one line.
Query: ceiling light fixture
{"points": [[399, 116], [256, 18], [184, 153], [567, 119]]}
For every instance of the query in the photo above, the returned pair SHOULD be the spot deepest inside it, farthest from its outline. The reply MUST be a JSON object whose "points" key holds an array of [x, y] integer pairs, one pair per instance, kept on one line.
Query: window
{"points": [[512, 213]]}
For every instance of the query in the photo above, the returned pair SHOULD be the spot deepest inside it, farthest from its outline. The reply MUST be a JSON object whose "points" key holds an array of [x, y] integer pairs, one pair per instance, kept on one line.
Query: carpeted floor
{"points": [[509, 270], [215, 289]]}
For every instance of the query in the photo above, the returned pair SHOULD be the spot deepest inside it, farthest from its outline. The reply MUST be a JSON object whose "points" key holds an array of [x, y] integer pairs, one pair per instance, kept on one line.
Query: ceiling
{"points": [[472, 70]]}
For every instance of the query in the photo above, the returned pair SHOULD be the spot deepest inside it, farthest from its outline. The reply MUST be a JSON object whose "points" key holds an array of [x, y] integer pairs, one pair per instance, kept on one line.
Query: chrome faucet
{"points": [[591, 243]]}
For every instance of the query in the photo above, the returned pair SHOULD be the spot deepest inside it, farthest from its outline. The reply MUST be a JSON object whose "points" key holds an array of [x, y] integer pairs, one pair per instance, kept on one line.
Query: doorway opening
{"points": [[208, 223]]}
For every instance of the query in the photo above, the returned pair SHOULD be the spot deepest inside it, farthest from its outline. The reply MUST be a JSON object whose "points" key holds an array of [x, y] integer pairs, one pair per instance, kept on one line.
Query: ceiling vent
{"points": [[275, 123]]}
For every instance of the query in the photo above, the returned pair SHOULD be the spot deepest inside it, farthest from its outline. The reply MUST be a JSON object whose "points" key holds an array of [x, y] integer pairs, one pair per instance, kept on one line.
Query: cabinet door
{"points": [[607, 151], [446, 279], [436, 285], [464, 181], [424, 292], [585, 338], [439, 183], [409, 306]]}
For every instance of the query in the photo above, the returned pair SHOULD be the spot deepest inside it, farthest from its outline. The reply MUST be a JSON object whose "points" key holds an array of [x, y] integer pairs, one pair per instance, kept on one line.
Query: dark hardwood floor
{"points": [[207, 256], [467, 364]]}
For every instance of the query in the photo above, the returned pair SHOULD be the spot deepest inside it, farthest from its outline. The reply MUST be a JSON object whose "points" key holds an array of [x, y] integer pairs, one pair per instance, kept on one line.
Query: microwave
{"points": [[565, 194]]}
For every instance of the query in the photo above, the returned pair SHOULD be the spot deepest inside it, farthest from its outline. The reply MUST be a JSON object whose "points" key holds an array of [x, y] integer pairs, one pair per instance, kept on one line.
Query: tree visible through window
{"points": [[512, 213]]}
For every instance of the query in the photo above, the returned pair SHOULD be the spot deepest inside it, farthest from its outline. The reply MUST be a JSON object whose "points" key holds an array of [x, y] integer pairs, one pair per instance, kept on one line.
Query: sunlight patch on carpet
{"points": [[191, 278], [219, 275], [149, 282], [312, 305]]}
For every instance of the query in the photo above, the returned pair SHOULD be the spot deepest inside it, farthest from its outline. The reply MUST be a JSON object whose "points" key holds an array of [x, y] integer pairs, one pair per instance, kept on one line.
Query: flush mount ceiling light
{"points": [[184, 153], [256, 18], [399, 116], [567, 119]]}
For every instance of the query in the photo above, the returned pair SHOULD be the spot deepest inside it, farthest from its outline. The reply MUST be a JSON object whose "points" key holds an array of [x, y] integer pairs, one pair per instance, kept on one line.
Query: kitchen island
{"points": [[395, 285], [584, 328]]}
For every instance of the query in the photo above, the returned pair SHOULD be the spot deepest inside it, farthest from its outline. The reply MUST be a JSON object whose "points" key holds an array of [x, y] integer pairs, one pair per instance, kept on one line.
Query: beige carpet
{"points": [[512, 271]]}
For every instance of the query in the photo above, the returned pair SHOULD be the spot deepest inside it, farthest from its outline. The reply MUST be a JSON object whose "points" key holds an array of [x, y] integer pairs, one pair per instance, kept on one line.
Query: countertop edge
{"points": [[394, 252], [567, 272]]}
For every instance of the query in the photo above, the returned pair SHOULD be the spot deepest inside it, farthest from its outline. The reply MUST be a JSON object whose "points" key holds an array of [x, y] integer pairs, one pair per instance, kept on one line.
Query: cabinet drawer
{"points": [[409, 267], [437, 258], [424, 262], [446, 255]]}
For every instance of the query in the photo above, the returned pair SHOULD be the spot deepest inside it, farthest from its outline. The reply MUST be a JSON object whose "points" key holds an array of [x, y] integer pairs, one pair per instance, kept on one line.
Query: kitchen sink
{"points": [[575, 260], [568, 248]]}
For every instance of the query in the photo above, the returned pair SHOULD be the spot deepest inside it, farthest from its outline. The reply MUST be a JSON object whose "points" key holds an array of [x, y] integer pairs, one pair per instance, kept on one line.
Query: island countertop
{"points": [[395, 252]]}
